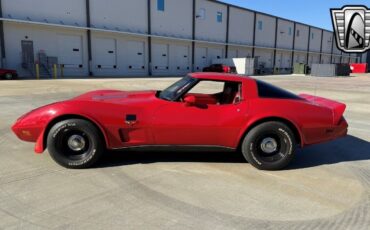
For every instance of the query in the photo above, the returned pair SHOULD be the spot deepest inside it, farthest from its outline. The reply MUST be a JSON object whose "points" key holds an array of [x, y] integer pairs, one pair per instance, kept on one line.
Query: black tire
{"points": [[269, 146], [75, 144], [8, 76]]}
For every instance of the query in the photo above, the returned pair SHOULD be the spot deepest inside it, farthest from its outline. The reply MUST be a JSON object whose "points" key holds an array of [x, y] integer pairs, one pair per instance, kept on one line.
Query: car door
{"points": [[174, 123]]}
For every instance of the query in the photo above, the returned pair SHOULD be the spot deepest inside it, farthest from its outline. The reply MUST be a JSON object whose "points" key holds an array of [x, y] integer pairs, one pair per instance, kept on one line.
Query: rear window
{"points": [[266, 90]]}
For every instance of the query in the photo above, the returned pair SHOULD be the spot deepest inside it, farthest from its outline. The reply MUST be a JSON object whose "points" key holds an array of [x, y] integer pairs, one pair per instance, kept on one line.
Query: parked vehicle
{"points": [[8, 74], [219, 68], [264, 122]]}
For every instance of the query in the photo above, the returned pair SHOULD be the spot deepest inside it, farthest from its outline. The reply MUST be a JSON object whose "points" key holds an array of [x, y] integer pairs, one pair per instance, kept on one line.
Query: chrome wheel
{"points": [[76, 143], [269, 145]]}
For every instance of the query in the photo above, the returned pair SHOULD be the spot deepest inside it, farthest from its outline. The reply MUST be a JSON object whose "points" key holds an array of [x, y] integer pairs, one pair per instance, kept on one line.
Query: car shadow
{"points": [[347, 149]]}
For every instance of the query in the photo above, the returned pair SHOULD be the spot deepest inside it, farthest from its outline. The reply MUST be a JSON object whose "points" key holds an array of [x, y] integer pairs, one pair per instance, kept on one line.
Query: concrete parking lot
{"points": [[326, 187]]}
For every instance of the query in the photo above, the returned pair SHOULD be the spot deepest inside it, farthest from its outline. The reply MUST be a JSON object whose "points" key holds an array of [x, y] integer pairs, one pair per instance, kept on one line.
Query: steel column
{"points": [[293, 47], [227, 31], [2, 42], [254, 35], [88, 25], [322, 39], [193, 38], [149, 15], [309, 43], [275, 45]]}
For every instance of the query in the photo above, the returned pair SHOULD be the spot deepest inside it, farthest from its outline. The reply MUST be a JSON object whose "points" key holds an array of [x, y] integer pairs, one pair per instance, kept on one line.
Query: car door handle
{"points": [[131, 123]]}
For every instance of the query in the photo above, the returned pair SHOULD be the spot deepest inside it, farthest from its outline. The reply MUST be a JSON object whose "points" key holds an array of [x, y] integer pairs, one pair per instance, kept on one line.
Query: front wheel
{"points": [[269, 146], [75, 143]]}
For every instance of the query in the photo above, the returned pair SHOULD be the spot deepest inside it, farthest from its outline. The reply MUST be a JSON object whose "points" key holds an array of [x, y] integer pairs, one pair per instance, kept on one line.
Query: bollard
{"points": [[61, 71], [55, 71], [37, 71]]}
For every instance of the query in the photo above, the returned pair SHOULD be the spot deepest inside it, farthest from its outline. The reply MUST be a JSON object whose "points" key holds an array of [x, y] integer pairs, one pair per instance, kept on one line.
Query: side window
{"points": [[260, 25], [297, 33], [219, 17], [160, 5], [214, 92], [208, 87]]}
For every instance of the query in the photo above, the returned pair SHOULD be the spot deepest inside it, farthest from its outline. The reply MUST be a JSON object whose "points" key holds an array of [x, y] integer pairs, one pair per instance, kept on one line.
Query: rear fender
{"points": [[259, 120]]}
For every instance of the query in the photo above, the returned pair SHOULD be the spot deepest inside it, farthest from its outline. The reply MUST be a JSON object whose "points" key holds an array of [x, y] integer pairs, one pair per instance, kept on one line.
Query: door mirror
{"points": [[190, 100]]}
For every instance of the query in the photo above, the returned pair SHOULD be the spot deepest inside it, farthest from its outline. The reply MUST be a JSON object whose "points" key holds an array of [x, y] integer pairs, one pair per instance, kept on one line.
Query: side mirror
{"points": [[190, 100]]}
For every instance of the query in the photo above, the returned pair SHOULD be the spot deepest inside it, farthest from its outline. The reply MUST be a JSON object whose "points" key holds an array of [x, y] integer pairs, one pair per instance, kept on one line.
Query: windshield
{"points": [[173, 92]]}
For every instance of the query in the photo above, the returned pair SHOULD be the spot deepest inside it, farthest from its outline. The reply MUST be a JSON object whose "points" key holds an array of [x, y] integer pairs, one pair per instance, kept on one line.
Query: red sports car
{"points": [[8, 74], [202, 111]]}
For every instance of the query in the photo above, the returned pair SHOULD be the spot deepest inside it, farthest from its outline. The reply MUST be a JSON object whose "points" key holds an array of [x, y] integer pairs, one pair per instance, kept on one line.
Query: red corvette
{"points": [[264, 122]]}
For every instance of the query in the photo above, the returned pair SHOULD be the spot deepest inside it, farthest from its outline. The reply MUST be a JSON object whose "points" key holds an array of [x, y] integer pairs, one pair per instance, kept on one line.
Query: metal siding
{"points": [[241, 25], [208, 28], [174, 21], [128, 15], [70, 12], [301, 40], [266, 36], [327, 42], [315, 42], [284, 39]]}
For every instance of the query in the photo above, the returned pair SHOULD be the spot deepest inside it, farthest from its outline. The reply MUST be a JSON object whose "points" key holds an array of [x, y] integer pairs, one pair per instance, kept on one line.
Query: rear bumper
{"points": [[323, 134]]}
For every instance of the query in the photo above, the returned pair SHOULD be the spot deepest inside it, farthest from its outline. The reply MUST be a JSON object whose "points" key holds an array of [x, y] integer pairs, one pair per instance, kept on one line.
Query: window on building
{"points": [[290, 30], [312, 35], [201, 14], [297, 33], [260, 25], [219, 17], [160, 5]]}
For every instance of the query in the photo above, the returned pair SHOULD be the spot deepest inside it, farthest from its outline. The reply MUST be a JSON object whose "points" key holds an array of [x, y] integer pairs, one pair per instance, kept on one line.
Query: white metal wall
{"points": [[128, 15], [174, 21], [71, 12], [301, 39], [118, 54], [285, 34], [69, 46], [265, 35], [205, 54], [206, 24], [241, 26]]}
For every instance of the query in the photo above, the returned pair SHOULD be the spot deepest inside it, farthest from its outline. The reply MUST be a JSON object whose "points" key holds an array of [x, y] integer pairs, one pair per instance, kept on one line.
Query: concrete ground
{"points": [[326, 187]]}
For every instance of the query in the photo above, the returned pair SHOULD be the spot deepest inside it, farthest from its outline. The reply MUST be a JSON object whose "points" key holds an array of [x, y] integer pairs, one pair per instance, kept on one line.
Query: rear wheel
{"points": [[269, 146], [75, 143]]}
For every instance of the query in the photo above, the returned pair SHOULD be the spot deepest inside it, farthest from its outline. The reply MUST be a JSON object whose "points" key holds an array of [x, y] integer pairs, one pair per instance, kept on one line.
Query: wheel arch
{"points": [[72, 116], [296, 131]]}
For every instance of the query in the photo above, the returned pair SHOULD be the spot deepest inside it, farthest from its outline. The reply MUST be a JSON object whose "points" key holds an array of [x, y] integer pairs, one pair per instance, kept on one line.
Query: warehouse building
{"points": [[153, 37]]}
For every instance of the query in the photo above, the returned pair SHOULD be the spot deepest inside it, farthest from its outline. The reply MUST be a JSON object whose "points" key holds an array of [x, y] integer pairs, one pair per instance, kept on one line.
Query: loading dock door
{"points": [[70, 51], [160, 58], [200, 58], [105, 54], [182, 61], [136, 54], [215, 53], [286, 62]]}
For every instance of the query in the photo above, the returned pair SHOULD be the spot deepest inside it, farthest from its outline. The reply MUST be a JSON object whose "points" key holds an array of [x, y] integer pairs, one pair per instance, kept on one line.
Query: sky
{"points": [[312, 12]]}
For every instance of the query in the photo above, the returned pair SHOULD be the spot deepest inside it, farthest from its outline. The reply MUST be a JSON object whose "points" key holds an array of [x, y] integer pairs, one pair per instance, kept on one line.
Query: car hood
{"points": [[116, 96]]}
